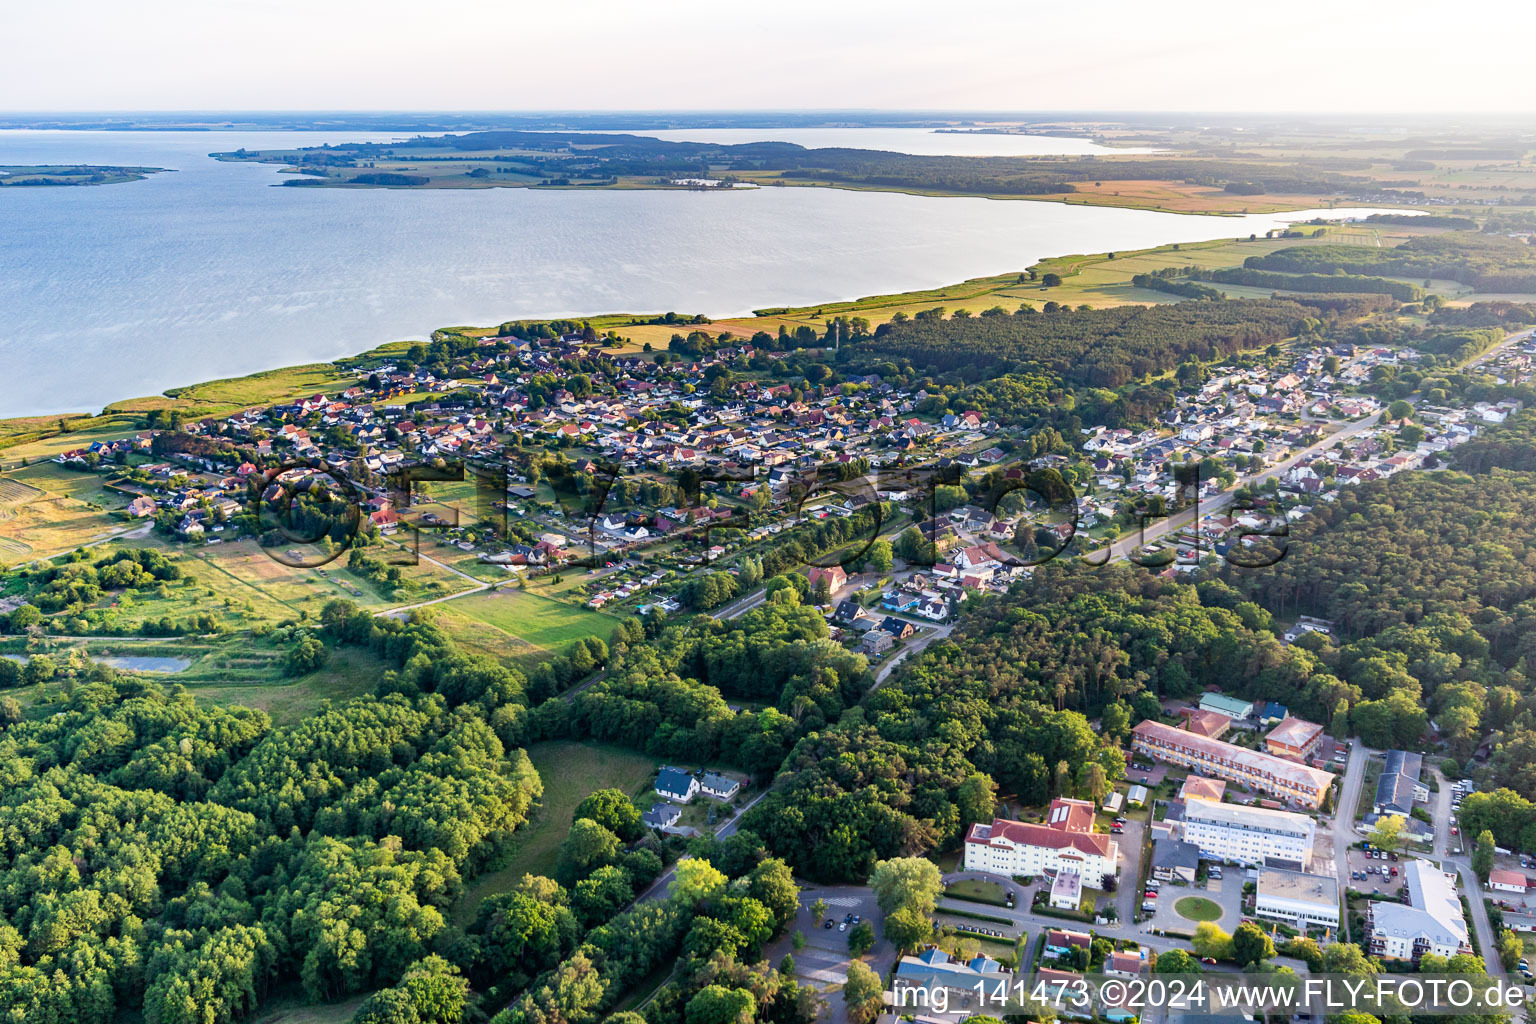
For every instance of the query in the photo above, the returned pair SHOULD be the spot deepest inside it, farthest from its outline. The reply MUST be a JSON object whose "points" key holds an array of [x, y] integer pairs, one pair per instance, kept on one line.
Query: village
{"points": [[658, 475]]}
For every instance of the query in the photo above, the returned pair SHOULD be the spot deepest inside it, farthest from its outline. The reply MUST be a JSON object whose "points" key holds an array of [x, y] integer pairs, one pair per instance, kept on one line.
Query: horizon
{"points": [[283, 55]]}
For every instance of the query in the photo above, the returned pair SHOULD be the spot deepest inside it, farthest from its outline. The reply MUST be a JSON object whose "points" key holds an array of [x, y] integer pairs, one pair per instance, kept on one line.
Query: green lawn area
{"points": [[1197, 908], [976, 891], [570, 772], [533, 619]]}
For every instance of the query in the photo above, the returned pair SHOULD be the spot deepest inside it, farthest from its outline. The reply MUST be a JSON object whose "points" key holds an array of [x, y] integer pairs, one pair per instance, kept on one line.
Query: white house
{"points": [[1431, 923], [719, 786], [676, 784], [1066, 842]]}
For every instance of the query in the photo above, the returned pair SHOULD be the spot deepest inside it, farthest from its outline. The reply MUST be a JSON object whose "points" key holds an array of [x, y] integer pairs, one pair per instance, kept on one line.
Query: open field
{"points": [[46, 510], [348, 672], [535, 620], [570, 772]]}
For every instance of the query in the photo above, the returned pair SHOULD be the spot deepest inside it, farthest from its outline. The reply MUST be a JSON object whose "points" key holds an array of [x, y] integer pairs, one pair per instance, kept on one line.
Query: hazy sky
{"points": [[1345, 55]]}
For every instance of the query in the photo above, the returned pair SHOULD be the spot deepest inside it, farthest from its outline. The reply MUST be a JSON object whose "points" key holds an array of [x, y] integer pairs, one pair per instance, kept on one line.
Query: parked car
{"points": [[1208, 960], [827, 924], [842, 926]]}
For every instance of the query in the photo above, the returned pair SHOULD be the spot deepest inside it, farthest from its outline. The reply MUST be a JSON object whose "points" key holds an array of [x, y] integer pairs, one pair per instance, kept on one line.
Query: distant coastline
{"points": [[65, 175]]}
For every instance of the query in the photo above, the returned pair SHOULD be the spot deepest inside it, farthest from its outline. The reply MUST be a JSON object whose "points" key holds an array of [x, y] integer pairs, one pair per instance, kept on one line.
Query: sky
{"points": [[1304, 55]]}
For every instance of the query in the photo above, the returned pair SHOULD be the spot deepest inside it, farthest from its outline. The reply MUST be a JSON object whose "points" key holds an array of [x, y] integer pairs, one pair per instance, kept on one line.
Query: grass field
{"points": [[570, 772], [1198, 908], [538, 621], [348, 672]]}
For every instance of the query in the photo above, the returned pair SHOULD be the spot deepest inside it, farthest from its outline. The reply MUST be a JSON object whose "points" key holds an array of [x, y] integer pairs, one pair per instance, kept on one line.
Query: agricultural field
{"points": [[46, 509], [570, 772]]}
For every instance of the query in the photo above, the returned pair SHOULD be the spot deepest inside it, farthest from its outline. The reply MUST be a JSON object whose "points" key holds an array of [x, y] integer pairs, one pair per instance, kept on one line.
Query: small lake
{"points": [[135, 663], [128, 663], [119, 291]]}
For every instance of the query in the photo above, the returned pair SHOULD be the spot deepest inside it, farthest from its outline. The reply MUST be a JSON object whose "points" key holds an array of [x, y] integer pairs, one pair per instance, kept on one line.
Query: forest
{"points": [[1101, 348], [1486, 262]]}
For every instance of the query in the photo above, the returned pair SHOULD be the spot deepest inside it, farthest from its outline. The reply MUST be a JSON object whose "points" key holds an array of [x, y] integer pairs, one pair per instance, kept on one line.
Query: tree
{"points": [[818, 910], [716, 1004], [907, 928], [1211, 941], [1387, 833], [587, 846], [1511, 948], [614, 811], [976, 798], [861, 939], [695, 879], [862, 992], [1482, 855], [879, 558], [1176, 961], [1251, 944], [1050, 280], [1306, 950], [1399, 410], [911, 884]]}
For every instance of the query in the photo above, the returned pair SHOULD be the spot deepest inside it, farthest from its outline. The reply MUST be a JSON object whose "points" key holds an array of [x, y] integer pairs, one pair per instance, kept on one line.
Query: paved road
{"points": [[913, 648], [1343, 829]]}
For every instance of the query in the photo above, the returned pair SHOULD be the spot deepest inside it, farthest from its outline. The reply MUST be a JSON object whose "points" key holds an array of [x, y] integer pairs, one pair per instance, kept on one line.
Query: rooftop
{"points": [[1266, 764], [1280, 883]]}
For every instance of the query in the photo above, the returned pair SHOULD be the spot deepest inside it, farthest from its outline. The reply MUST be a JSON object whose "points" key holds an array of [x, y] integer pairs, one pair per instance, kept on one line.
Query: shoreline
{"points": [[227, 395]]}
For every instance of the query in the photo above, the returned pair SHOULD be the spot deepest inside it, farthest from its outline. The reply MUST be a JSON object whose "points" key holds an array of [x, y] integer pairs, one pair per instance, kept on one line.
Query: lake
{"points": [[119, 291]]}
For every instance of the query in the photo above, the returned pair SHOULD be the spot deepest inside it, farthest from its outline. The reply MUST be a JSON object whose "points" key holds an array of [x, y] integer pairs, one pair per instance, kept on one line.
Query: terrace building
{"points": [[1269, 774]]}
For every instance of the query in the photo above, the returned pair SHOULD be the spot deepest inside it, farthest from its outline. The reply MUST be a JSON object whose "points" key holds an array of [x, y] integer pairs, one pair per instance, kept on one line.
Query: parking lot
{"points": [[824, 959], [1359, 861]]}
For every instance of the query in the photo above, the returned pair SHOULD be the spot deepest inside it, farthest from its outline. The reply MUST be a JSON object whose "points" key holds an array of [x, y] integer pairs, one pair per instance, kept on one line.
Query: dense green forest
{"points": [[1102, 348], [1487, 262], [1430, 578]]}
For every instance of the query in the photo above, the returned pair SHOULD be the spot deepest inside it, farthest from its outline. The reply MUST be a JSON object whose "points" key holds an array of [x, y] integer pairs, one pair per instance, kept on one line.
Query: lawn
{"points": [[539, 621], [976, 891], [1198, 908], [570, 772]]}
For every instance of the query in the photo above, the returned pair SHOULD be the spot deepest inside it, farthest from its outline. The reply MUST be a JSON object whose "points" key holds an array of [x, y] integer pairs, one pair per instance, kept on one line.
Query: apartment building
{"points": [[1249, 835], [1431, 923], [1276, 776], [1064, 842]]}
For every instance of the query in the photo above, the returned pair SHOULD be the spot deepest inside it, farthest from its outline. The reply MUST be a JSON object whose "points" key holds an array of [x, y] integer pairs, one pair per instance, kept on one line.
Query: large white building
{"points": [[1249, 835], [1065, 842], [1431, 923], [1297, 898]]}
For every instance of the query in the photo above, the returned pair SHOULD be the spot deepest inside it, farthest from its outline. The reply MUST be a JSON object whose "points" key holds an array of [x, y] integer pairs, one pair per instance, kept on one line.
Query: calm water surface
{"points": [[124, 290]]}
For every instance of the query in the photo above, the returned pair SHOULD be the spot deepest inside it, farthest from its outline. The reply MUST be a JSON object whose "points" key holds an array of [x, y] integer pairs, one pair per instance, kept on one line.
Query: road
{"points": [[1343, 829]]}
